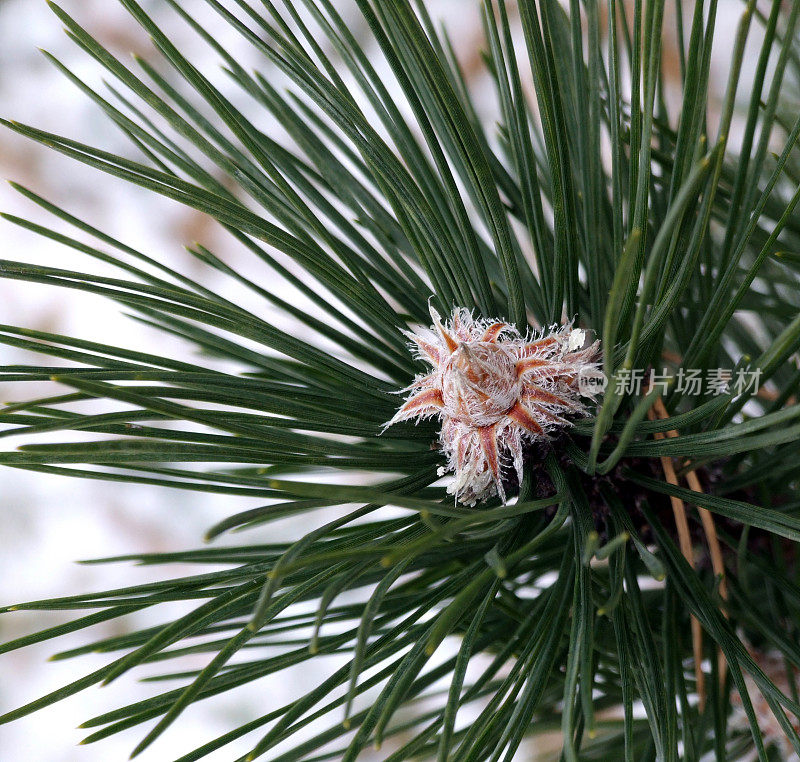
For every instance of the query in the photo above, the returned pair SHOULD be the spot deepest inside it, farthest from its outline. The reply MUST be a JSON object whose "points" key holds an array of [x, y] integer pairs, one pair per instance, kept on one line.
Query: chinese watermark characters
{"points": [[685, 381]]}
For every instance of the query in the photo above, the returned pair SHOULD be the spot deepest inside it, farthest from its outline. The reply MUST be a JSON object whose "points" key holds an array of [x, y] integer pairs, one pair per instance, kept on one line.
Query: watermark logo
{"points": [[591, 382], [685, 381]]}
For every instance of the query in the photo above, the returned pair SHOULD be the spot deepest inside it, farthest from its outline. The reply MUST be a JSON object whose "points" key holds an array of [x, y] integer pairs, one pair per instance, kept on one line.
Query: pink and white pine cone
{"points": [[492, 388]]}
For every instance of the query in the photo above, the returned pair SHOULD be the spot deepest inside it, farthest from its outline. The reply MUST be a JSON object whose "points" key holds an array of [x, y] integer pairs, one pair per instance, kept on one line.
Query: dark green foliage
{"points": [[602, 203]]}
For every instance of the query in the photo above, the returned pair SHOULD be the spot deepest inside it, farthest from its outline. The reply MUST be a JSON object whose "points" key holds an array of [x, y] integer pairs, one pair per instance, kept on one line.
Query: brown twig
{"points": [[709, 529], [717, 563], [685, 540]]}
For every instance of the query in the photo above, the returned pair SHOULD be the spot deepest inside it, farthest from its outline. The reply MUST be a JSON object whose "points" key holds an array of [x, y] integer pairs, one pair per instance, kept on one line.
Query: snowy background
{"points": [[46, 522]]}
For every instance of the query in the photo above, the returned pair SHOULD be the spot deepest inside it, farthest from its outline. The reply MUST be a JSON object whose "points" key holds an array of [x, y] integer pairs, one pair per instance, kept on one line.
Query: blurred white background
{"points": [[49, 522]]}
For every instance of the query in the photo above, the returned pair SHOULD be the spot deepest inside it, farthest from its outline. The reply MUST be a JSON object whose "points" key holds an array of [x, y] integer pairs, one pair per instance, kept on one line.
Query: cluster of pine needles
{"points": [[632, 595]]}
